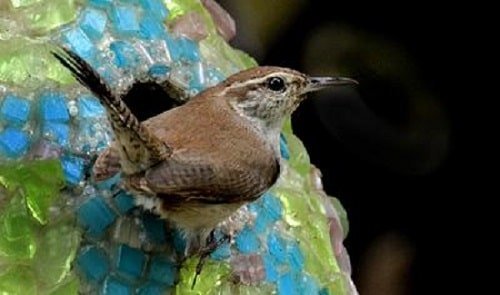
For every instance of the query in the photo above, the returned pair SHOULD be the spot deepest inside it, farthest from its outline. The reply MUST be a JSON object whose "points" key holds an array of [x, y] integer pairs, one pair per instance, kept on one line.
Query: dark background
{"points": [[395, 151]]}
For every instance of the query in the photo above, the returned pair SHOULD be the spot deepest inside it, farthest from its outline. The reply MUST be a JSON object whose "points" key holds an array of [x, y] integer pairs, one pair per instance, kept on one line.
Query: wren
{"points": [[196, 164]]}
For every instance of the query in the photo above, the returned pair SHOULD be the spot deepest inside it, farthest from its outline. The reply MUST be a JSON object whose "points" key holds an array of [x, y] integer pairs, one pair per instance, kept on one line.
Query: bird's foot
{"points": [[212, 244]]}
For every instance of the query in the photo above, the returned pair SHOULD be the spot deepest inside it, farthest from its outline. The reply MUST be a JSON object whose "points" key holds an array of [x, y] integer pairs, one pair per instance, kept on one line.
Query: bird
{"points": [[198, 163]]}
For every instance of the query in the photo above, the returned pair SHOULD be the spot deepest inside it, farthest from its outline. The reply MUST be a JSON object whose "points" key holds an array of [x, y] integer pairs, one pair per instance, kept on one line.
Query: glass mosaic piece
{"points": [[96, 216], [93, 263], [93, 23], [15, 110]]}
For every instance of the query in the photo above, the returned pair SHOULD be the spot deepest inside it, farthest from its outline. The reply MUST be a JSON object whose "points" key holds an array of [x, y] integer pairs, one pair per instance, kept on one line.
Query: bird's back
{"points": [[218, 163], [209, 128]]}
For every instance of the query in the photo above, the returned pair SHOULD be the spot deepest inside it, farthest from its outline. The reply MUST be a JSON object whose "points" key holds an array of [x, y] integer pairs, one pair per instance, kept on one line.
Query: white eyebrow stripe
{"points": [[257, 80]]}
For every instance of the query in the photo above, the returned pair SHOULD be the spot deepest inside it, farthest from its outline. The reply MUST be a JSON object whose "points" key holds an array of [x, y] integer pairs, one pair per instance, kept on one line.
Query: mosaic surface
{"points": [[61, 233]]}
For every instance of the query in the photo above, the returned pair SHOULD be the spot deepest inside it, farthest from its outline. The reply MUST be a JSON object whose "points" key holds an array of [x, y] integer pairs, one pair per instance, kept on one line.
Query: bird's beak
{"points": [[317, 83]]}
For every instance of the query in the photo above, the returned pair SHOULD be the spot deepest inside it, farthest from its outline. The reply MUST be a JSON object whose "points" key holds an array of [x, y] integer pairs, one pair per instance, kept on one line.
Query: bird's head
{"points": [[269, 94]]}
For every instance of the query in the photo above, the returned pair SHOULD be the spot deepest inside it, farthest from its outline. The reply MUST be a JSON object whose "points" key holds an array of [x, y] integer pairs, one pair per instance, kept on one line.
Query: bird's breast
{"points": [[197, 216]]}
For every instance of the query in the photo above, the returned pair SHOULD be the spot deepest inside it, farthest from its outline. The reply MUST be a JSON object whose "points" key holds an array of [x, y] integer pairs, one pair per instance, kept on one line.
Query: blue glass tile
{"points": [[151, 28], [124, 202], [58, 132], [90, 107], [155, 8], [155, 228], [307, 285], [199, 77], [151, 289], [255, 206], [215, 76], [174, 48], [190, 49], [93, 263], [159, 71], [13, 142], [276, 247], [96, 216], [130, 262], [73, 169], [80, 43], [270, 267], [179, 241], [101, 3], [114, 286], [162, 271], [247, 241], [285, 152], [15, 110], [110, 183], [295, 256], [223, 251], [93, 23], [283, 137], [108, 75], [182, 48], [125, 19], [272, 205], [287, 285], [263, 220], [53, 107], [125, 54]]}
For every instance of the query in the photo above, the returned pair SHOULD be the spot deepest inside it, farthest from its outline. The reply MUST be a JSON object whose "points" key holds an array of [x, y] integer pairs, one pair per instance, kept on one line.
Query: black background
{"points": [[434, 211]]}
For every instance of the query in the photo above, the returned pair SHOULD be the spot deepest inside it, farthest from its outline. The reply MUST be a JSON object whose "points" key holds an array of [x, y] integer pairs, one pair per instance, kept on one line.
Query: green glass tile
{"points": [[18, 280], [53, 264], [180, 7], [336, 284], [287, 126], [22, 3], [299, 158], [40, 190], [17, 237], [50, 14], [70, 286], [221, 55], [208, 282], [55, 71], [22, 60], [12, 61], [38, 181]]}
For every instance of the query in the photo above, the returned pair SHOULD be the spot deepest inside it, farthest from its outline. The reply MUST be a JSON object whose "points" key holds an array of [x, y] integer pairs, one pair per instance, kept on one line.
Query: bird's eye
{"points": [[276, 84]]}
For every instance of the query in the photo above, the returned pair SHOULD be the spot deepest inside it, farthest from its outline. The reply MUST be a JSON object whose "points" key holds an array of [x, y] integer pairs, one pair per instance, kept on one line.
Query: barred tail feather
{"points": [[141, 146]]}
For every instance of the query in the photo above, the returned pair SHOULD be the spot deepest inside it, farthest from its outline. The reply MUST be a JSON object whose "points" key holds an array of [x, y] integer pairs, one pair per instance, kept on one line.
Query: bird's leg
{"points": [[211, 245]]}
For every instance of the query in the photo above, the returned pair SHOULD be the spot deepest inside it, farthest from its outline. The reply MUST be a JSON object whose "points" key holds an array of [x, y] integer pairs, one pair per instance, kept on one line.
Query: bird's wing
{"points": [[202, 181], [139, 146]]}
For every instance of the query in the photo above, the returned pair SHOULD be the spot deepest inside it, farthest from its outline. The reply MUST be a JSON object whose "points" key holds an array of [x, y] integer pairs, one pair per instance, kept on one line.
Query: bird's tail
{"points": [[141, 146]]}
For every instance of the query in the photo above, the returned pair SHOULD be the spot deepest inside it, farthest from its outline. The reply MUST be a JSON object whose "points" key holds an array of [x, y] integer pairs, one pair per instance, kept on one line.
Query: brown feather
{"points": [[197, 172], [107, 164]]}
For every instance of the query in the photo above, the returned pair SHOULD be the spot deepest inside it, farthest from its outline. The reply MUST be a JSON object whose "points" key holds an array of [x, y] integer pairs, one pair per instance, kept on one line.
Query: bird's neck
{"points": [[264, 122], [269, 131]]}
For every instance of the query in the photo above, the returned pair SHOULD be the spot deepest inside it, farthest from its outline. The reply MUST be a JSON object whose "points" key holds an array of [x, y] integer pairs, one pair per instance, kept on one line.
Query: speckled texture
{"points": [[61, 233]]}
